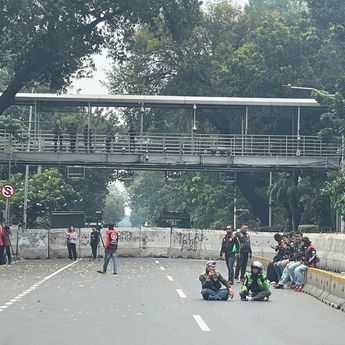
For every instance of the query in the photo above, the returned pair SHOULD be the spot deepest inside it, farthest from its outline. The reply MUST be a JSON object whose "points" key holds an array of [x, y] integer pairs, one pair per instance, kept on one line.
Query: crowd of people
{"points": [[71, 136], [294, 254]]}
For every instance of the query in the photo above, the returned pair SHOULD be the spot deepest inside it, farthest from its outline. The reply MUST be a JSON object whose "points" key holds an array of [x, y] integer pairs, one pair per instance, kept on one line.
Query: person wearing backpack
{"points": [[110, 248]]}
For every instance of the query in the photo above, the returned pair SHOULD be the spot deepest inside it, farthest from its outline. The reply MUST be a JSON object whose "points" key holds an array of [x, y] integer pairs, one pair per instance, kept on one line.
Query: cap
{"points": [[210, 263]]}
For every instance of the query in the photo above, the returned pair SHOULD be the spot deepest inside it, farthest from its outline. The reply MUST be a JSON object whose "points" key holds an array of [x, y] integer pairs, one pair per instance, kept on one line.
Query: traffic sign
{"points": [[7, 190]]}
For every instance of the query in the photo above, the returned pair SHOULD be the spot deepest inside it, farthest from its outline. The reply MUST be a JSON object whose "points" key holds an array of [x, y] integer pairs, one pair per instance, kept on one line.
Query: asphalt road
{"points": [[151, 301]]}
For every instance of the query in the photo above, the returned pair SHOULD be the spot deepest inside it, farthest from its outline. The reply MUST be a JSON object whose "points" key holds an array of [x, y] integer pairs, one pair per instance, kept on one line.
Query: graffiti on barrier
{"points": [[84, 239], [191, 241], [33, 239], [128, 236]]}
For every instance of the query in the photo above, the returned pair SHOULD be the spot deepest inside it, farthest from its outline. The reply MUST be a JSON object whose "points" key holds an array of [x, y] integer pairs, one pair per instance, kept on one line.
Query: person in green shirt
{"points": [[256, 287]]}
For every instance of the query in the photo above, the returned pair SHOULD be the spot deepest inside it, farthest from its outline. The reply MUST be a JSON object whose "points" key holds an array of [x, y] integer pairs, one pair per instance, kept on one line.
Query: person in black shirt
{"points": [[94, 240], [231, 248], [245, 251]]}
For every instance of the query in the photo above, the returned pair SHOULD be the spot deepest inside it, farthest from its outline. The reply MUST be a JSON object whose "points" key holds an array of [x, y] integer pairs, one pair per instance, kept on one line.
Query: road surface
{"points": [[151, 301]]}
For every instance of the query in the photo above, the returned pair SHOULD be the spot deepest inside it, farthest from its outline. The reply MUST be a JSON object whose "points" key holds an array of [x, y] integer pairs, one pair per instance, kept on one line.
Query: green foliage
{"points": [[114, 209], [209, 202], [49, 42], [48, 192]]}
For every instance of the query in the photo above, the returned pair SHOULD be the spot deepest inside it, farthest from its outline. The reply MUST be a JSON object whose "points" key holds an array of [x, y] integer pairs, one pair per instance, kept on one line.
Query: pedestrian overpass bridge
{"points": [[171, 151], [150, 151]]}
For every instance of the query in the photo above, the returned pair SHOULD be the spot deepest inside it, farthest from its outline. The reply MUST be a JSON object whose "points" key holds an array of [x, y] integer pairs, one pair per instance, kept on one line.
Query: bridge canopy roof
{"points": [[158, 101]]}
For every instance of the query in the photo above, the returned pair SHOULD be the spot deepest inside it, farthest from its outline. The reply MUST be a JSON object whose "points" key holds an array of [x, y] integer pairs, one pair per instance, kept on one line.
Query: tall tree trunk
{"points": [[7, 98], [258, 203]]}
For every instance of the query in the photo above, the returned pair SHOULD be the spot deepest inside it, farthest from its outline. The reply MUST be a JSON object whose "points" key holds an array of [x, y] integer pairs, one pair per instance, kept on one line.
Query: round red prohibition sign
{"points": [[7, 190]]}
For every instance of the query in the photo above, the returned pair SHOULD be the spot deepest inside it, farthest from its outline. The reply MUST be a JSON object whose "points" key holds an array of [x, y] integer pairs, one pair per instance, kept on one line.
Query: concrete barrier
{"points": [[33, 244]]}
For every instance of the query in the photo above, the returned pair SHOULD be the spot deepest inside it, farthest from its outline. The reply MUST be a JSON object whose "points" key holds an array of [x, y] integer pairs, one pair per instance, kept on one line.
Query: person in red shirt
{"points": [[6, 232], [110, 248], [2, 247]]}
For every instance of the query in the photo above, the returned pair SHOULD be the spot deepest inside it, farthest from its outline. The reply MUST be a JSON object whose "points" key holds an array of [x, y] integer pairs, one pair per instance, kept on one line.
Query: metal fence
{"points": [[180, 144]]}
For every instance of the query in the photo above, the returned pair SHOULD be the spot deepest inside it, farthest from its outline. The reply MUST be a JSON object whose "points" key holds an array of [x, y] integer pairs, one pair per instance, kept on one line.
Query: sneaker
{"points": [[211, 298], [298, 288], [115, 273], [279, 286], [101, 272], [266, 299]]}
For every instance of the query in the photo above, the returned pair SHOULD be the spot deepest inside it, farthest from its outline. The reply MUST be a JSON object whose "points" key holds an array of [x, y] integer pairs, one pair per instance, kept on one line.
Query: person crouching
{"points": [[211, 282], [255, 286]]}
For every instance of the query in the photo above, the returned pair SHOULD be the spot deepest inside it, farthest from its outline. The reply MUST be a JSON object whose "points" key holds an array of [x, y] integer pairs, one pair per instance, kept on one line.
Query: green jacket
{"points": [[252, 281]]}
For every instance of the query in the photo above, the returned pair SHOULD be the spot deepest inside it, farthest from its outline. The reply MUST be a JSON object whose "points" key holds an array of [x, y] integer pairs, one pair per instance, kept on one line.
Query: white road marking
{"points": [[201, 323], [181, 293], [170, 278], [33, 287], [162, 268], [157, 262]]}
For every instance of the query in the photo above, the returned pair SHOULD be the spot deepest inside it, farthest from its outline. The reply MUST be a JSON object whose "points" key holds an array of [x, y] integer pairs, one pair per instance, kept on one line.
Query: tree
{"points": [[114, 209], [48, 42], [48, 192]]}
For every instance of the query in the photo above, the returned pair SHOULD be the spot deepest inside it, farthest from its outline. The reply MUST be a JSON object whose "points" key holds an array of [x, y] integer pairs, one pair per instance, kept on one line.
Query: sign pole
{"points": [[7, 191]]}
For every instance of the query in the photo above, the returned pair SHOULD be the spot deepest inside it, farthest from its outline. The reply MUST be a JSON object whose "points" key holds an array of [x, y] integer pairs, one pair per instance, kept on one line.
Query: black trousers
{"points": [[257, 296], [8, 253], [2, 261], [94, 250], [230, 261], [242, 262], [72, 251]]}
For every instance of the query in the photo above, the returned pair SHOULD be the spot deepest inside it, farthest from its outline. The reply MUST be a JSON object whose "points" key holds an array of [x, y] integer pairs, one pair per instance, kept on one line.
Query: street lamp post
{"points": [[330, 95]]}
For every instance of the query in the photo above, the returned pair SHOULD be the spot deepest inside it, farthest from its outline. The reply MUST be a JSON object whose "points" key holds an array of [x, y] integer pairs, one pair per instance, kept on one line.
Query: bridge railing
{"points": [[176, 144]]}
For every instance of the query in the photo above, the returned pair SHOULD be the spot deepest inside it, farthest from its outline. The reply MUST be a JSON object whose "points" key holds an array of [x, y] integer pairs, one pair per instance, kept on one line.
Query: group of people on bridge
{"points": [[88, 138]]}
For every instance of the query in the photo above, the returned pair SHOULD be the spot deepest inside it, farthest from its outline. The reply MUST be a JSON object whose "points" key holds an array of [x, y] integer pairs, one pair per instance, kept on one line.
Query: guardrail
{"points": [[180, 144]]}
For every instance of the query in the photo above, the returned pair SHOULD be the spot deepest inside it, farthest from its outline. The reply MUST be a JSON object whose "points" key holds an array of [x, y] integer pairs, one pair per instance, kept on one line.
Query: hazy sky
{"points": [[93, 85]]}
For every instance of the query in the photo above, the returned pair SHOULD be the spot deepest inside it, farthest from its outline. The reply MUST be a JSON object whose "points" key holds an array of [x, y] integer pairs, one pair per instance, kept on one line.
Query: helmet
{"points": [[257, 264]]}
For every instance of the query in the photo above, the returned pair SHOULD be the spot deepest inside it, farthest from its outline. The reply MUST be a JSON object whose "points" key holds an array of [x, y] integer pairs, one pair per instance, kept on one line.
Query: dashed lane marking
{"points": [[181, 293], [170, 278], [33, 287], [162, 268], [201, 323], [157, 262]]}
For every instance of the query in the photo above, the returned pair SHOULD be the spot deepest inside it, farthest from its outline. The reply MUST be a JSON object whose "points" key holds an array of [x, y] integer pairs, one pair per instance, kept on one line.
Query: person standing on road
{"points": [[245, 252], [211, 283], [256, 287], [230, 247], [2, 247], [94, 240], [111, 242], [6, 232], [72, 236]]}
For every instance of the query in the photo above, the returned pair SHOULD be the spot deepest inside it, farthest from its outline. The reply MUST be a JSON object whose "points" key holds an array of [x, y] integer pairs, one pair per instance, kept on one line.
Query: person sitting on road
{"points": [[231, 248], [256, 287], [211, 282]]}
